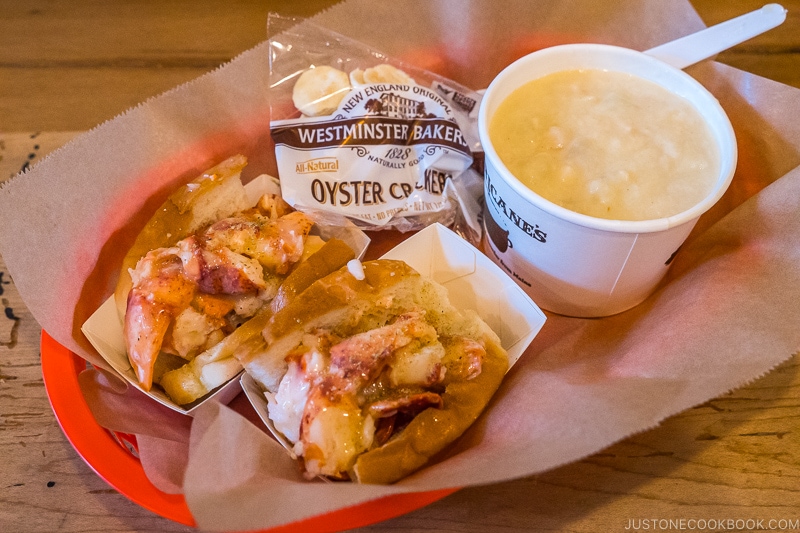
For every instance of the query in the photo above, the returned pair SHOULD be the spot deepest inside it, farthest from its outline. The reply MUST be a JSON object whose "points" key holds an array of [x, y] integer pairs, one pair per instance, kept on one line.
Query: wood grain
{"points": [[67, 66], [774, 54], [59, 73]]}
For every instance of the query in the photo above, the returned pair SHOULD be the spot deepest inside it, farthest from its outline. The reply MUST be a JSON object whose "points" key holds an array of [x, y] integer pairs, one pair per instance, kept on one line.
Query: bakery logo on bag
{"points": [[370, 144], [372, 131], [389, 118]]}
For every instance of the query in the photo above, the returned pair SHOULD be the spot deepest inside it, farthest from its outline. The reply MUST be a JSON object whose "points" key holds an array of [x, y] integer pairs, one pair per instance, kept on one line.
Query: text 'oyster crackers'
{"points": [[361, 137]]}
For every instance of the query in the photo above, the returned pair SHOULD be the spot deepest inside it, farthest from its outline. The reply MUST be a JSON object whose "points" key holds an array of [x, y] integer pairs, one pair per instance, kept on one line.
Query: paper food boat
{"points": [[472, 282], [104, 328]]}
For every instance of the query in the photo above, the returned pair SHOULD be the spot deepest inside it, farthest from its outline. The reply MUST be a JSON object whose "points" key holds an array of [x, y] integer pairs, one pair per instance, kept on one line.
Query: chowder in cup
{"points": [[593, 245]]}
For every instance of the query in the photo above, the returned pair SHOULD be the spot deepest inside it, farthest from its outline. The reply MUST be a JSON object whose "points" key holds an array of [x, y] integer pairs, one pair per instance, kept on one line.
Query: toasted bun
{"points": [[347, 306], [215, 194], [433, 430]]}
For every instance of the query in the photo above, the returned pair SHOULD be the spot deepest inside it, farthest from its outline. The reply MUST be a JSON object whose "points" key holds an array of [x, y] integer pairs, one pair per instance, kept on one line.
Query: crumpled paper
{"points": [[725, 314]]}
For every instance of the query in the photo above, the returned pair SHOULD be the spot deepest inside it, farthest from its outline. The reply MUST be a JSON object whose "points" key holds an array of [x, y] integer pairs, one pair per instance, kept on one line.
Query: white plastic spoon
{"points": [[703, 44]]}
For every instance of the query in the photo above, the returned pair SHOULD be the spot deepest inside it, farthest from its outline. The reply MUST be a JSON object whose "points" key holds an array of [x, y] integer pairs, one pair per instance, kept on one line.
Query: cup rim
{"points": [[725, 137]]}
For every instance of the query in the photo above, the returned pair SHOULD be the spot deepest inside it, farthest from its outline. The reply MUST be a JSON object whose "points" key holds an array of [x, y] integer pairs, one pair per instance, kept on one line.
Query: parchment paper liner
{"points": [[726, 314]]}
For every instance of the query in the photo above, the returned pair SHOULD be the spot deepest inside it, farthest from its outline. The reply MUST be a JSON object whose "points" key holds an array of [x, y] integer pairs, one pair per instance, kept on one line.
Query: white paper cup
{"points": [[574, 264]]}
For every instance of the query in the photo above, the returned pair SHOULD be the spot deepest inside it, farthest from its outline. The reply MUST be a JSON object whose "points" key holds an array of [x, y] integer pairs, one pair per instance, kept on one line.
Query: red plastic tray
{"points": [[115, 464]]}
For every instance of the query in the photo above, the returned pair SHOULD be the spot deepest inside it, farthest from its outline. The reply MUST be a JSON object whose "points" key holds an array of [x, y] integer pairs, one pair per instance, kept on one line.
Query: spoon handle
{"points": [[693, 48]]}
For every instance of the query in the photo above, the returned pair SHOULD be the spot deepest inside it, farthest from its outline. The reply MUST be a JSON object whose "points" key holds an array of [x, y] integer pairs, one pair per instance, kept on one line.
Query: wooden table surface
{"points": [[67, 66]]}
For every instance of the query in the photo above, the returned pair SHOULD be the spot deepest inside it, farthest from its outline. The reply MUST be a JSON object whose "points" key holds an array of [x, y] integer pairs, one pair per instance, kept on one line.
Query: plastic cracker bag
{"points": [[360, 134]]}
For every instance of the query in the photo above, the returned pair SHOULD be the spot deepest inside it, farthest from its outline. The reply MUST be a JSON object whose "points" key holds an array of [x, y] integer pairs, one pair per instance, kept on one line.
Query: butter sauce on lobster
{"points": [[200, 278]]}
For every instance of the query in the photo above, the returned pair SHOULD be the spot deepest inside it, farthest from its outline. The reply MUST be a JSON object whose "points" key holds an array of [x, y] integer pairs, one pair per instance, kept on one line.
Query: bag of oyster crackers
{"points": [[362, 135]]}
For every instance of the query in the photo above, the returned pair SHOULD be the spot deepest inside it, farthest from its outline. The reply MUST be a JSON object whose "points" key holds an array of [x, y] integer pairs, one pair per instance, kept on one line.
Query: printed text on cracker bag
{"points": [[387, 149]]}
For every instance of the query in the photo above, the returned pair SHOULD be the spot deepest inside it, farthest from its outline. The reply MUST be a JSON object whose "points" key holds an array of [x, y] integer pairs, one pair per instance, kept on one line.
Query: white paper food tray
{"points": [[472, 282]]}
